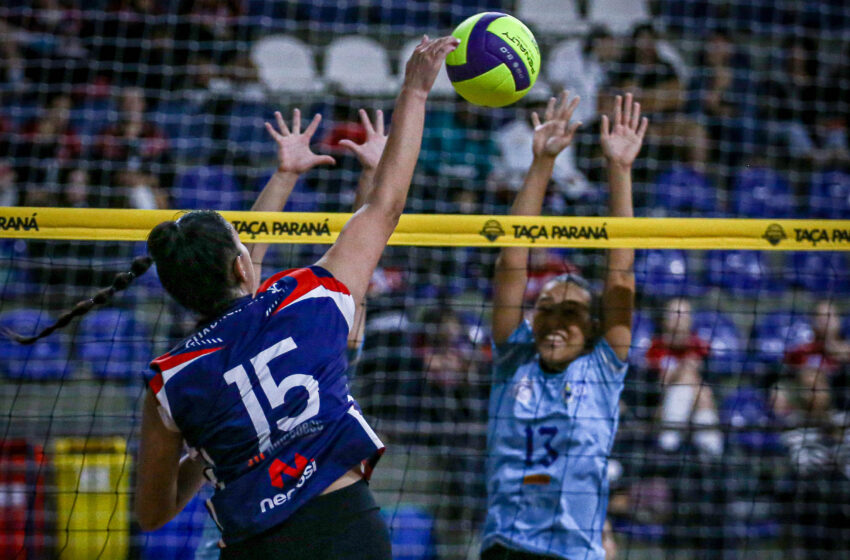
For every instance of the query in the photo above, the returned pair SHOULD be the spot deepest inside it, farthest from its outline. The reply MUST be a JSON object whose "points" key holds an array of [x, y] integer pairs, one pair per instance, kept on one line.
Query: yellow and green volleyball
{"points": [[497, 61]]}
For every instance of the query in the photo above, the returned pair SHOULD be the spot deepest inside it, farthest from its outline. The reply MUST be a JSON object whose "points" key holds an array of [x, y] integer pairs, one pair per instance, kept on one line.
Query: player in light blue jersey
{"points": [[557, 379]]}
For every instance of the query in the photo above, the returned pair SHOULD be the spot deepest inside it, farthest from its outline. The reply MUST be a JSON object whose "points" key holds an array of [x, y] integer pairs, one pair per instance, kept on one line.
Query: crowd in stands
{"points": [[735, 420]]}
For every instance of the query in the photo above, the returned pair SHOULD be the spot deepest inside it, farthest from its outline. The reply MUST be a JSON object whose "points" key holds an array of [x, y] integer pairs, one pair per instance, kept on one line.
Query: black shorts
{"points": [[499, 552], [342, 525]]}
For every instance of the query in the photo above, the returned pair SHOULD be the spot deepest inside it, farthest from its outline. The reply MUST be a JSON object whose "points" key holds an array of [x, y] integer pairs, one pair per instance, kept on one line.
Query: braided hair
{"points": [[121, 282], [195, 256]]}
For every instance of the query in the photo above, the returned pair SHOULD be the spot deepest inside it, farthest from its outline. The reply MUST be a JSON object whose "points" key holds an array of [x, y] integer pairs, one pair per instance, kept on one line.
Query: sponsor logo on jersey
{"points": [[303, 469]]}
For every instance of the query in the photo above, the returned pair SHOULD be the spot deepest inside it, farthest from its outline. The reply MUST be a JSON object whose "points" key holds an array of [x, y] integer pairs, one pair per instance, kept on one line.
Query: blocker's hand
{"points": [[425, 62], [622, 144], [369, 152], [293, 148], [556, 132]]}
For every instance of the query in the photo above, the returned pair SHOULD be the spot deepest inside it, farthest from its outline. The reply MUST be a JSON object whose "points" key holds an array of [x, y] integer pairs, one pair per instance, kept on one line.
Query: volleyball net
{"points": [[114, 112], [717, 472]]}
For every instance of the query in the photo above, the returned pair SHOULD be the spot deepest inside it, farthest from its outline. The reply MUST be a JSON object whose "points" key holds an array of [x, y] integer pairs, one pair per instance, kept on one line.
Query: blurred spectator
{"points": [[836, 120], [818, 445], [585, 70], [677, 357], [829, 352], [609, 543], [44, 145], [12, 64], [653, 80], [49, 38], [452, 415], [721, 93], [211, 28], [458, 142], [685, 189], [135, 153], [78, 192], [8, 184], [794, 104]]}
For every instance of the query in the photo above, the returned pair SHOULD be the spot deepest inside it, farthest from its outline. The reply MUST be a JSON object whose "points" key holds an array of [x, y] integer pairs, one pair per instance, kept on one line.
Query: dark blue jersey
{"points": [[261, 394]]}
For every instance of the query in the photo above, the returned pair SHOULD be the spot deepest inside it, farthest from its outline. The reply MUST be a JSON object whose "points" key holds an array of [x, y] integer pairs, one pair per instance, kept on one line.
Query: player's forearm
{"points": [[395, 170], [528, 202], [190, 479], [620, 261], [272, 198], [364, 187]]}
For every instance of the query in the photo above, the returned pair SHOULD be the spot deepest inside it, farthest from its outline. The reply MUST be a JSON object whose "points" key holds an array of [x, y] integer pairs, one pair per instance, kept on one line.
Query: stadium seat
{"points": [[618, 15], [748, 414], [643, 330], [442, 86], [558, 17], [411, 533], [663, 273], [359, 65], [179, 538], [830, 195], [207, 187], [684, 191], [286, 65], [113, 344], [776, 332], [821, 272], [761, 192], [727, 348], [742, 273], [47, 359]]}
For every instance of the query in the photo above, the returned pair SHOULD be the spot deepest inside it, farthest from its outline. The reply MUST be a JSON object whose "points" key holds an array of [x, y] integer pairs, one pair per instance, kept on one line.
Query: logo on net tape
{"points": [[492, 230], [774, 234]]}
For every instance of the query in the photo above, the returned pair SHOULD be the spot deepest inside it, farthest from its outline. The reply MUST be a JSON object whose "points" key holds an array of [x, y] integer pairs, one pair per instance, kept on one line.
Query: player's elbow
{"points": [[149, 521]]}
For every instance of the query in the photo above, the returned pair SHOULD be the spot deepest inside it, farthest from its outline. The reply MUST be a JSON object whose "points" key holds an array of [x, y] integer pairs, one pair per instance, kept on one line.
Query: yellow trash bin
{"points": [[92, 485]]}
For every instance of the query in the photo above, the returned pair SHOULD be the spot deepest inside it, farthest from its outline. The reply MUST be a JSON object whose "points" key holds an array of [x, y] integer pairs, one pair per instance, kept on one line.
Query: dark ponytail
{"points": [[140, 266], [194, 258]]}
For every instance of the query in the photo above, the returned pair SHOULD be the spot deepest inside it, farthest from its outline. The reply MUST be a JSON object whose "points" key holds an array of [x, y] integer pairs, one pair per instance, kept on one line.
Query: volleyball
{"points": [[497, 61]]}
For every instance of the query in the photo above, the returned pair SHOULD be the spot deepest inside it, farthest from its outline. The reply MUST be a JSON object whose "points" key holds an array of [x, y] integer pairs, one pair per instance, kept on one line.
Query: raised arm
{"points": [[511, 275], [353, 257], [294, 158], [620, 145], [369, 154]]}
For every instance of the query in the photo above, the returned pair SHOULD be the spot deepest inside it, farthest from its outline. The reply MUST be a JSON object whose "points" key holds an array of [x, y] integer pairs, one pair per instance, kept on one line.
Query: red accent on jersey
{"points": [[167, 361], [277, 467], [308, 281], [156, 383]]}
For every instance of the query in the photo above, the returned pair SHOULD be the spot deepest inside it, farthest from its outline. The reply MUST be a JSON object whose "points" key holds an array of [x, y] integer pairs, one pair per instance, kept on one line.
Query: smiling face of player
{"points": [[561, 323]]}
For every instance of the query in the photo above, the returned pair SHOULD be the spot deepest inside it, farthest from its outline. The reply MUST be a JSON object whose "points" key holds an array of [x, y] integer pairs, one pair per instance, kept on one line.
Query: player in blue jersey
{"points": [[293, 149], [557, 380], [258, 392]]}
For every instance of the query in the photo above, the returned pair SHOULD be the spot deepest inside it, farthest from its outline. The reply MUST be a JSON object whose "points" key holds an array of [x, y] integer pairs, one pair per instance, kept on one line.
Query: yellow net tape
{"points": [[442, 230]]}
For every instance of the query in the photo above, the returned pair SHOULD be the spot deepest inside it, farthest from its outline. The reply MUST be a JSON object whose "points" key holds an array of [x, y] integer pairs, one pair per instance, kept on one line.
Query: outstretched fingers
{"points": [[618, 111], [379, 122], [367, 124], [627, 110], [635, 116], [604, 129], [644, 124], [314, 124], [535, 119], [281, 124], [296, 121]]}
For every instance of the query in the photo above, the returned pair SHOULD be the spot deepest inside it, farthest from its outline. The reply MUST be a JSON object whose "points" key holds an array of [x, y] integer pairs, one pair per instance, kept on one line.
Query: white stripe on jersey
{"points": [[344, 302], [366, 428]]}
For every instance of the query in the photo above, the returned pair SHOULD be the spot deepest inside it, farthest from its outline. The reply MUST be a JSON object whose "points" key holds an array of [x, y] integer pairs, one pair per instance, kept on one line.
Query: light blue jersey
{"points": [[549, 438]]}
